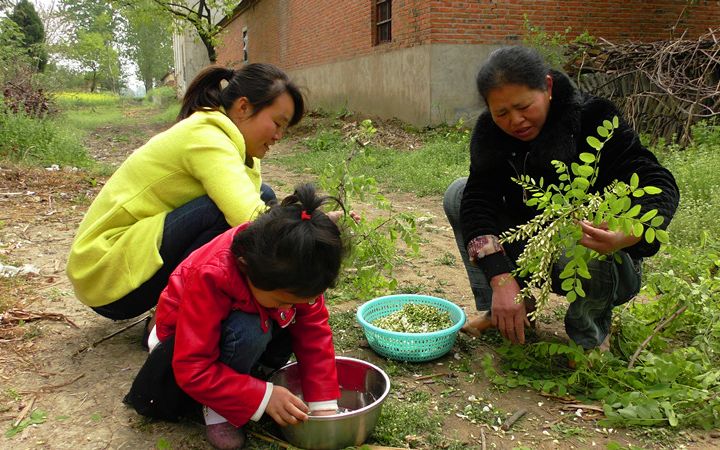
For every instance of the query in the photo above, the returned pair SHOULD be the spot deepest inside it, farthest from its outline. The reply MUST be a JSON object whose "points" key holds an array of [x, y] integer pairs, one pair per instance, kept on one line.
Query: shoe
{"points": [[477, 325], [225, 436]]}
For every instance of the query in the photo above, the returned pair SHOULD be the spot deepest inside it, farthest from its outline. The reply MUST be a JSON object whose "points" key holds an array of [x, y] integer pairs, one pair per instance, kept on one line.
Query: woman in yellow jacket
{"points": [[182, 188]]}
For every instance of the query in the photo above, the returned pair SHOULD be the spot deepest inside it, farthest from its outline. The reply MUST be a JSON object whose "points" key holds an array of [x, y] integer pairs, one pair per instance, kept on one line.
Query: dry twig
{"points": [[657, 329], [512, 419], [15, 316]]}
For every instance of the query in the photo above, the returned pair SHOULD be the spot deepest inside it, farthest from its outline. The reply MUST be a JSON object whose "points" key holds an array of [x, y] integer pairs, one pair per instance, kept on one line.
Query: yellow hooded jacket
{"points": [[116, 248]]}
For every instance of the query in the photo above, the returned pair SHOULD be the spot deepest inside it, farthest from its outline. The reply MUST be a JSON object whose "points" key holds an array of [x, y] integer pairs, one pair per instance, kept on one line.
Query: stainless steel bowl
{"points": [[363, 388]]}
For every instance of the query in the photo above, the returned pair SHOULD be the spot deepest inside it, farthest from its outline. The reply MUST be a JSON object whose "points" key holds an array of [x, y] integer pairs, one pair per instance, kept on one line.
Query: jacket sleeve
{"points": [[624, 155], [313, 347], [196, 364], [481, 199]]}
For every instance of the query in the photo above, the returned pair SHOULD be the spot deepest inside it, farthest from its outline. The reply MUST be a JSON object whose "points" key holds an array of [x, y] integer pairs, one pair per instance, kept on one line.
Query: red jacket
{"points": [[201, 293]]}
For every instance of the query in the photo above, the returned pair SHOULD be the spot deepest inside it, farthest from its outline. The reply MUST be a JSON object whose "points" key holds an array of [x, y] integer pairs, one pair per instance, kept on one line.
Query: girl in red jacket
{"points": [[235, 310]]}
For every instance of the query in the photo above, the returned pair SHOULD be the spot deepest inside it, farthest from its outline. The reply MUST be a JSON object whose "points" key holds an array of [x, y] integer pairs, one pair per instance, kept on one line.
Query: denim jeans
{"points": [[587, 321], [243, 347], [246, 349], [186, 229]]}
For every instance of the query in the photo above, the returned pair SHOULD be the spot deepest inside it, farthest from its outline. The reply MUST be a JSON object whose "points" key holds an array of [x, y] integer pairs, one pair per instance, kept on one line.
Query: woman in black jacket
{"points": [[536, 115]]}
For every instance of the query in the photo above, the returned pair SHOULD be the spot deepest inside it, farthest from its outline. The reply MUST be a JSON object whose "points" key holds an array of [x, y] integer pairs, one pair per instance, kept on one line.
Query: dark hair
{"points": [[512, 65], [283, 249], [261, 84]]}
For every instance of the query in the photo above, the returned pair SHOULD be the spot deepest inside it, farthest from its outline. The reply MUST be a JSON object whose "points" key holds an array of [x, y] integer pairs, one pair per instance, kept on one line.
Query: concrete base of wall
{"points": [[423, 85]]}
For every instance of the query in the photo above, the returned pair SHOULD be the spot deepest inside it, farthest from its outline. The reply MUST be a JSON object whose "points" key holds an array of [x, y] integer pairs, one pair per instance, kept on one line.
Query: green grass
{"points": [[40, 142], [425, 171], [695, 170], [58, 139]]}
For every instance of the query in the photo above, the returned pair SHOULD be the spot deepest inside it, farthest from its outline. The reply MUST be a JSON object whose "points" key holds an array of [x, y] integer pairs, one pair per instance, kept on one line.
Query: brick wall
{"points": [[501, 21], [304, 33]]}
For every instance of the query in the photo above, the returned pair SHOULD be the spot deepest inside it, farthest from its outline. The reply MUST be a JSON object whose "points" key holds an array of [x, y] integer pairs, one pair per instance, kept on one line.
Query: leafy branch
{"points": [[369, 268], [556, 231]]}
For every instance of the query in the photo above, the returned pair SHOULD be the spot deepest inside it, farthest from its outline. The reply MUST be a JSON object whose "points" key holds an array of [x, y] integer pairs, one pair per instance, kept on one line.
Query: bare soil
{"points": [[59, 358]]}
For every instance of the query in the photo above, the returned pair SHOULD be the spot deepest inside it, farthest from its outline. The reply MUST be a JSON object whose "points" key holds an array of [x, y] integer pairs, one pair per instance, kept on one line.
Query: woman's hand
{"points": [[336, 215], [286, 408], [508, 316], [604, 241]]}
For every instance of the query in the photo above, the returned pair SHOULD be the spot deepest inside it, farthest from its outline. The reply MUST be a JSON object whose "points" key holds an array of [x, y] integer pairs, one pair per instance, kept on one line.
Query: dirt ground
{"points": [[61, 361]]}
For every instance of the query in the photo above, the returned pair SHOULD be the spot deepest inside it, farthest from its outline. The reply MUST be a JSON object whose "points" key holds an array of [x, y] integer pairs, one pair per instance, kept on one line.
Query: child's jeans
{"points": [[186, 229], [243, 347], [588, 318]]}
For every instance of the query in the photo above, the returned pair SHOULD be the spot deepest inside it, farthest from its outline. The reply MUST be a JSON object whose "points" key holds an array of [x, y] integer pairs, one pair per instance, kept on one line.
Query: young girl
{"points": [[184, 187], [235, 310]]}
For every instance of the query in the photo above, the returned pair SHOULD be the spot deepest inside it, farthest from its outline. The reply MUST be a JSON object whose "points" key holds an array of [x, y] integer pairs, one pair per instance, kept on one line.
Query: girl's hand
{"points": [[286, 408], [324, 412], [603, 240]]}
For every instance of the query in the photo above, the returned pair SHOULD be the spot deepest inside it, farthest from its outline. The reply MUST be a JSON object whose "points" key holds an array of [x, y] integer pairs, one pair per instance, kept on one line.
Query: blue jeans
{"points": [[588, 319], [246, 349], [186, 229], [243, 347]]}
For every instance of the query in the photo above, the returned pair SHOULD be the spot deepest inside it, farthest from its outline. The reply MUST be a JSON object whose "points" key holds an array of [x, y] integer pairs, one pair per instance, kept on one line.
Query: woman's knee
{"points": [[452, 198]]}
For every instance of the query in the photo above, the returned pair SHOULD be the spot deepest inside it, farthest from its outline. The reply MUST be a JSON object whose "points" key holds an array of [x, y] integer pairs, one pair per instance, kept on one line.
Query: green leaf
{"points": [[634, 211], [669, 413], [567, 285], [662, 236], [615, 122], [587, 158], [652, 190], [571, 296], [637, 229], [650, 235], [634, 181], [648, 215], [657, 221], [638, 193], [579, 288], [607, 124], [585, 171], [594, 142]]}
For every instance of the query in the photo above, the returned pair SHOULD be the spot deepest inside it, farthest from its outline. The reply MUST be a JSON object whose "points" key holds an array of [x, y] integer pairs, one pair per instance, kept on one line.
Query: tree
{"points": [[25, 16], [92, 44], [148, 41], [201, 15]]}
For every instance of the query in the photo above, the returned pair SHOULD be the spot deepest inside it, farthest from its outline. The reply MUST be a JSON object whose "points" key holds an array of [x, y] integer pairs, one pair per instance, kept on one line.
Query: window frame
{"points": [[379, 26]]}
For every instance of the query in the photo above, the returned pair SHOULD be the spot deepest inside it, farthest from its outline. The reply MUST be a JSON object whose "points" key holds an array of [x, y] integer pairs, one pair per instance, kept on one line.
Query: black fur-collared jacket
{"points": [[492, 202]]}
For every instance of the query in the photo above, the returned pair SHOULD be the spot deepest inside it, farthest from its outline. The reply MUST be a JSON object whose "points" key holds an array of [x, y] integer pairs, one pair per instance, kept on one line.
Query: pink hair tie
{"points": [[305, 216]]}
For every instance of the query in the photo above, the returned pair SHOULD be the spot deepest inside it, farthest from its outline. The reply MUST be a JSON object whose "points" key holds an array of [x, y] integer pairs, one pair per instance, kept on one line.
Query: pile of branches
{"points": [[662, 87], [21, 95]]}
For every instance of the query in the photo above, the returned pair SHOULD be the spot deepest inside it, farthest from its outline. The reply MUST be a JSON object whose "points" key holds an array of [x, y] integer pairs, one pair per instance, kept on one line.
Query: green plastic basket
{"points": [[409, 347]]}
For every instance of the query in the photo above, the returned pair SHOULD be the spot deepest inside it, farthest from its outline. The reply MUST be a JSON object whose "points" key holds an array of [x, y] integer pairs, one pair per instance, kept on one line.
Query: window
{"points": [[383, 21], [245, 44]]}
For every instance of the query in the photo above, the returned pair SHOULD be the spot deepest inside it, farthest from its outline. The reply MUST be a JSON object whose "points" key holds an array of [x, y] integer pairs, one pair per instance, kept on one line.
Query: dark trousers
{"points": [[186, 229], [587, 321]]}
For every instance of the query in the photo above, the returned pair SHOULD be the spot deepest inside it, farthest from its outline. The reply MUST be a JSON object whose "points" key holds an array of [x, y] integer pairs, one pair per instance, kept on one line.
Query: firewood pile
{"points": [[662, 87]]}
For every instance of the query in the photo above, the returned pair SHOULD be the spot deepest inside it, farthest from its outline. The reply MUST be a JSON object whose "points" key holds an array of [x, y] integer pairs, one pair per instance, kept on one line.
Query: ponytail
{"points": [[261, 84], [294, 246], [204, 91]]}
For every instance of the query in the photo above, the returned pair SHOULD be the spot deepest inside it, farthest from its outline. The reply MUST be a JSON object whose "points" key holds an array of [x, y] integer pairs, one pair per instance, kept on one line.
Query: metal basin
{"points": [[363, 387]]}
